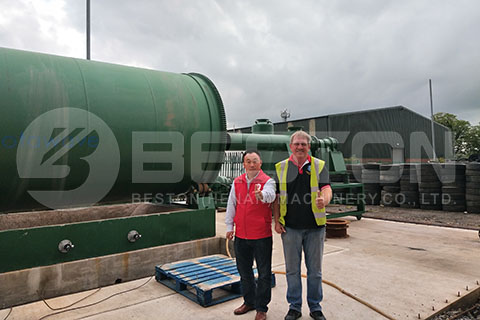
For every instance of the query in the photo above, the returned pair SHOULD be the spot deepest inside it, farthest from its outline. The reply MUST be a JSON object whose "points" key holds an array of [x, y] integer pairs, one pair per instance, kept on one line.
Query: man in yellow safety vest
{"points": [[303, 191]]}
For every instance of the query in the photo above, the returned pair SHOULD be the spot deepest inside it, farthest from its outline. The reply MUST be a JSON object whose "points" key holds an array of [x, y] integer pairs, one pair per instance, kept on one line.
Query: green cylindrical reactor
{"points": [[77, 132]]}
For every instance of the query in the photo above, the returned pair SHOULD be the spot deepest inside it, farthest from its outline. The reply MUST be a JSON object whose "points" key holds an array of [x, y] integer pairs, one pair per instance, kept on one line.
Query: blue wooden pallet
{"points": [[206, 280]]}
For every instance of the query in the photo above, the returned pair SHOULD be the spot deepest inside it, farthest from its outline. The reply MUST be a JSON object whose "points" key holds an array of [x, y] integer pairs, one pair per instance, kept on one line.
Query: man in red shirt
{"points": [[249, 210]]}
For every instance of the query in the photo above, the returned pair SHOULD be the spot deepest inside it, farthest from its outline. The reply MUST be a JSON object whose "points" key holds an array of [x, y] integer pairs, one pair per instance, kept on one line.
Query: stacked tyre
{"points": [[371, 182], [390, 183], [408, 196], [472, 191], [453, 187], [429, 186]]}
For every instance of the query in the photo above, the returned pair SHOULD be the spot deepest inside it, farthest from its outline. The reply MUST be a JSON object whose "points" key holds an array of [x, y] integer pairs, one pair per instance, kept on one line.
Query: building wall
{"points": [[371, 135]]}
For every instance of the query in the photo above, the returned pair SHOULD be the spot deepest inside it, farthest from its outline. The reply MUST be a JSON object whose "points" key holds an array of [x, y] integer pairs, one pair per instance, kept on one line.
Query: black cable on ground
{"points": [[55, 309], [95, 303], [8, 314]]}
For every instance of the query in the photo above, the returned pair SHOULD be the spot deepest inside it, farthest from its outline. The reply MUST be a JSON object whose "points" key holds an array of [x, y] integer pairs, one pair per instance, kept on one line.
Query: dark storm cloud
{"points": [[312, 57]]}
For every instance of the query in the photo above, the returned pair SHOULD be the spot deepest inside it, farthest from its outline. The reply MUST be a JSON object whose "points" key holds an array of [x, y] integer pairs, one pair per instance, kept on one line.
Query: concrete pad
{"points": [[405, 269], [402, 269]]}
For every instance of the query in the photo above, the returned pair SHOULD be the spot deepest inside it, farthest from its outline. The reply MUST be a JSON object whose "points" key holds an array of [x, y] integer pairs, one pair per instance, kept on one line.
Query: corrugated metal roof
{"points": [[399, 108]]}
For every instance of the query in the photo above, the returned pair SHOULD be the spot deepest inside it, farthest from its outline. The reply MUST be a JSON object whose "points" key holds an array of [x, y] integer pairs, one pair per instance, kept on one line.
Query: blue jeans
{"points": [[311, 241], [255, 295]]}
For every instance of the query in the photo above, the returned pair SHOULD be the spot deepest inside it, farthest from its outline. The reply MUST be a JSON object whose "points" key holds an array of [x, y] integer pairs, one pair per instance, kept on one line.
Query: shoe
{"points": [[293, 315], [244, 308], [317, 315], [261, 315]]}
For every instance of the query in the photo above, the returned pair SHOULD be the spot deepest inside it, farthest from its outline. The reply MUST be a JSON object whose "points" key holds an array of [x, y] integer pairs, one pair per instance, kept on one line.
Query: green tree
{"points": [[473, 140], [461, 130]]}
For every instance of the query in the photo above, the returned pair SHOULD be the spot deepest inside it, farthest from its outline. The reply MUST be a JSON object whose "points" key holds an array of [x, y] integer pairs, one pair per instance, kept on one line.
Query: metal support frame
{"points": [[359, 200]]}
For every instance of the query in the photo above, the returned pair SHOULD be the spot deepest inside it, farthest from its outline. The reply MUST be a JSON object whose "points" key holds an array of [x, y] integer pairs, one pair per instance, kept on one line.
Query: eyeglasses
{"points": [[303, 144]]}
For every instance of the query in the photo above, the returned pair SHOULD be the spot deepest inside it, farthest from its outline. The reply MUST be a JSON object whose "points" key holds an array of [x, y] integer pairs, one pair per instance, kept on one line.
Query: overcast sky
{"points": [[313, 57]]}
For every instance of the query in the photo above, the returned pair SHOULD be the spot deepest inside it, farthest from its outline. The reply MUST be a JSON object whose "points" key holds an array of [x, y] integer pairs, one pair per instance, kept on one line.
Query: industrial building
{"points": [[388, 135]]}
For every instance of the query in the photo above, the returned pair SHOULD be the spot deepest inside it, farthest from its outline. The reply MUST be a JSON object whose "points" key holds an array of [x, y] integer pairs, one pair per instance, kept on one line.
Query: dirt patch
{"points": [[21, 220], [429, 217]]}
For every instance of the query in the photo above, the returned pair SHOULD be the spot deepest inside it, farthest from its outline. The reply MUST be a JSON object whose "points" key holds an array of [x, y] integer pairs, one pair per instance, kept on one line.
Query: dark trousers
{"points": [[257, 295]]}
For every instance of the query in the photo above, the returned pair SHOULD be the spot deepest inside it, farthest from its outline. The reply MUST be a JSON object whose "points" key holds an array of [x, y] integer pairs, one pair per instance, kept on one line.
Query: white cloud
{"points": [[40, 26], [314, 57]]}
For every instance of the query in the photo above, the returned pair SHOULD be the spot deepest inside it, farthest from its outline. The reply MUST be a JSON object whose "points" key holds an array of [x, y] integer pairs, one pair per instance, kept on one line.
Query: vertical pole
{"points": [[431, 111], [88, 29]]}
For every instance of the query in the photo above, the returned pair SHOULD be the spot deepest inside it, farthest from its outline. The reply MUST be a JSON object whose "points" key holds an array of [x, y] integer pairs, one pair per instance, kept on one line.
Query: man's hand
{"points": [[229, 235], [279, 228], [320, 200], [258, 192]]}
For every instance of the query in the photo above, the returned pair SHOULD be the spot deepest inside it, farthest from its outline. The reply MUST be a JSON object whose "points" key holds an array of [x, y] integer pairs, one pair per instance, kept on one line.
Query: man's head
{"points": [[300, 145], [252, 162]]}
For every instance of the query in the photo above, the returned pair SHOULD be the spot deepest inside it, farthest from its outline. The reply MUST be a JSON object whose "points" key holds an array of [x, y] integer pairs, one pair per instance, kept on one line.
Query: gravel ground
{"points": [[429, 217], [466, 313]]}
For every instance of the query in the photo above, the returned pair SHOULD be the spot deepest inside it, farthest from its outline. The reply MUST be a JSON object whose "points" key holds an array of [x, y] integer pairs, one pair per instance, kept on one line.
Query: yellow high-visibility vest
{"points": [[315, 168]]}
